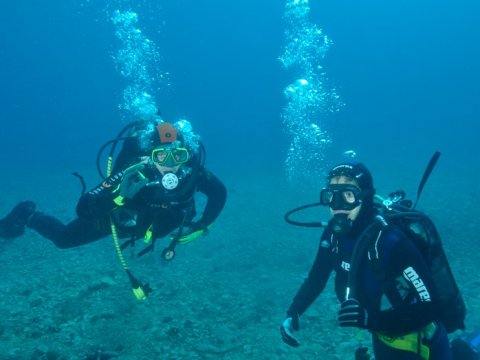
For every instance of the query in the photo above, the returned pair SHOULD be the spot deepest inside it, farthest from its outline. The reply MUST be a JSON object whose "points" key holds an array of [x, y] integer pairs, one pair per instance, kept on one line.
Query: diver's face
{"points": [[169, 158], [344, 180]]}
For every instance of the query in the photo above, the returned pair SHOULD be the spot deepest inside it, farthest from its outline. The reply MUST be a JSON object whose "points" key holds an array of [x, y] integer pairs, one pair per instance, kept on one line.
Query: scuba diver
{"points": [[387, 287], [148, 194]]}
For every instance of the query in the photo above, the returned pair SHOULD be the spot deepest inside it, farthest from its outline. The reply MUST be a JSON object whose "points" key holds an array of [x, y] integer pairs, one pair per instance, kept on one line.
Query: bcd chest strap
{"points": [[388, 285], [368, 251]]}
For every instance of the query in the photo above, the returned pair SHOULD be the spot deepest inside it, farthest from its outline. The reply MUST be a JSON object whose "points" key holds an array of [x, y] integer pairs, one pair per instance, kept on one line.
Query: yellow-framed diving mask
{"points": [[170, 156]]}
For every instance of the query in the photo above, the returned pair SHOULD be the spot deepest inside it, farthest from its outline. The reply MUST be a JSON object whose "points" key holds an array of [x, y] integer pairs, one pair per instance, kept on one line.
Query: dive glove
{"points": [[288, 327], [133, 181], [193, 231], [353, 314], [362, 354]]}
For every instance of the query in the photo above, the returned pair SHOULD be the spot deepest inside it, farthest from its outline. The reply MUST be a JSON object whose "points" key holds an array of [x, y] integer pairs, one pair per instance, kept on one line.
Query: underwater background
{"points": [[278, 91]]}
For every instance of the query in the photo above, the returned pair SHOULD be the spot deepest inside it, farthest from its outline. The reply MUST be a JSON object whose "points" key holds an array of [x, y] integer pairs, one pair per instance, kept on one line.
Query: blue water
{"points": [[407, 74], [408, 69]]}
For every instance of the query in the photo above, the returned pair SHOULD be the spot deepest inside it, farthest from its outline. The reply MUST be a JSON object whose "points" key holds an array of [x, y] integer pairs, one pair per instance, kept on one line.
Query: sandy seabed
{"points": [[224, 296]]}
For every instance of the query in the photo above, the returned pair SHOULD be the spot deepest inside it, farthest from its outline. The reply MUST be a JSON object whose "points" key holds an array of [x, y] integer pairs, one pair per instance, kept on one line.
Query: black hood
{"points": [[358, 172]]}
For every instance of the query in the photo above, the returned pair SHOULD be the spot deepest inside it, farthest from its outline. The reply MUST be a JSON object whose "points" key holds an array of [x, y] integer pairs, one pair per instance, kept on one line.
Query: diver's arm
{"points": [[100, 200], [314, 283], [419, 308], [216, 193]]}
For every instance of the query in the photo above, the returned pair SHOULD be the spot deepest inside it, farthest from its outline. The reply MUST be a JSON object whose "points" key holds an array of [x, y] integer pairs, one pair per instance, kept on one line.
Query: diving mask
{"points": [[341, 196], [170, 156]]}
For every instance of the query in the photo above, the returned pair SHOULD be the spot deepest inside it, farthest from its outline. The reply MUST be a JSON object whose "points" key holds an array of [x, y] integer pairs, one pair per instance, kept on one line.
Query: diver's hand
{"points": [[193, 231], [288, 327], [133, 181], [353, 314], [362, 354]]}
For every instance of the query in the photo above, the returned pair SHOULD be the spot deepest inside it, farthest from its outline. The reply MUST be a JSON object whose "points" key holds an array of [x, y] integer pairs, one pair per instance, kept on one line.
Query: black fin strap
{"points": [[130, 242], [147, 249]]}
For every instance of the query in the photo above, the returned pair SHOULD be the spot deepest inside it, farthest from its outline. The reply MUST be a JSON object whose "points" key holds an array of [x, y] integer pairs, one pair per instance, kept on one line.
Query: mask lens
{"points": [[349, 196], [340, 196], [326, 197], [159, 156], [180, 155]]}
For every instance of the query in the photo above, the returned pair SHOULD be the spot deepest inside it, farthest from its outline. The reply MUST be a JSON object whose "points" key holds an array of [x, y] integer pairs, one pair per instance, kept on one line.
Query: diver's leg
{"points": [[440, 345], [78, 232]]}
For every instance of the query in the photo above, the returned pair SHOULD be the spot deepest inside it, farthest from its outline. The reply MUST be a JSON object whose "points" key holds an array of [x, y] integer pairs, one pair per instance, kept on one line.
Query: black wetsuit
{"points": [[153, 208], [399, 299]]}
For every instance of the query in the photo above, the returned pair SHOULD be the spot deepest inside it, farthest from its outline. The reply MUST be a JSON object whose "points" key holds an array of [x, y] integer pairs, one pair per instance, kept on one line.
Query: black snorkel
{"points": [[426, 175]]}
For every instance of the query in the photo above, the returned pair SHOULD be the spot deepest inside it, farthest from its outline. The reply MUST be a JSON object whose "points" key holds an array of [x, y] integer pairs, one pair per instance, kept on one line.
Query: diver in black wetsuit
{"points": [[150, 193], [397, 306]]}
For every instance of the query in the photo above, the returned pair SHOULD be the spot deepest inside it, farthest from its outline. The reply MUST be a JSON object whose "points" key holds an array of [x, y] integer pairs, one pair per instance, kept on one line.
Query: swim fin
{"points": [[13, 225]]}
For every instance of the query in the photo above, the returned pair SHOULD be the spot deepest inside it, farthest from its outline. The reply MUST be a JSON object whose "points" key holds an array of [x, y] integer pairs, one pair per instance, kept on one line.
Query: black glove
{"points": [[362, 354], [352, 313], [133, 181], [288, 327]]}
